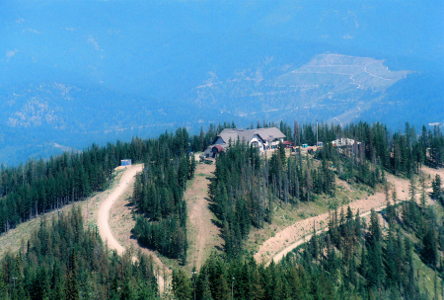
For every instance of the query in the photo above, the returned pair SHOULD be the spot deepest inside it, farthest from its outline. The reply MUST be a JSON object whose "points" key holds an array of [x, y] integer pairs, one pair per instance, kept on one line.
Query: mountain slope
{"points": [[329, 87], [37, 120], [74, 72]]}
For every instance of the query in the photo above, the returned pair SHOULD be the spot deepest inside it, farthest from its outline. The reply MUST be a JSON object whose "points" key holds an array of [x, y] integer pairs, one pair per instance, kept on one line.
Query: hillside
{"points": [[52, 117], [108, 70], [330, 87], [242, 203]]}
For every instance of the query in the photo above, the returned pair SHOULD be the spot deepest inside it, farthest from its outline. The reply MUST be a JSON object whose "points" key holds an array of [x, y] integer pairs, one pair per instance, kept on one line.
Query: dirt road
{"points": [[121, 222], [103, 216], [296, 234], [433, 172], [102, 222], [203, 234], [307, 238]]}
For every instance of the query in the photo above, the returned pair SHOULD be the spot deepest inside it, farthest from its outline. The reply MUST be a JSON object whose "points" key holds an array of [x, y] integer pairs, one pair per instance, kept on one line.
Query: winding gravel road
{"points": [[104, 230]]}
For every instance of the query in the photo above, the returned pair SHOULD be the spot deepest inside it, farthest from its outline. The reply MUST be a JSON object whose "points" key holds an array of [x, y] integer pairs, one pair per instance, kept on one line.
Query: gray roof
{"points": [[264, 133]]}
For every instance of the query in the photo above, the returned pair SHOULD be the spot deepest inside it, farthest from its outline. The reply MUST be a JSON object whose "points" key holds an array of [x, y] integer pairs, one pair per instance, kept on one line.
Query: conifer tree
{"points": [[436, 187], [376, 272], [206, 289], [71, 287], [181, 285]]}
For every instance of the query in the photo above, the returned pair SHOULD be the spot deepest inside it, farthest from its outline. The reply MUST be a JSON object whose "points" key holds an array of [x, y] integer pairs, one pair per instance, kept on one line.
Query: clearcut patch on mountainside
{"points": [[331, 87]]}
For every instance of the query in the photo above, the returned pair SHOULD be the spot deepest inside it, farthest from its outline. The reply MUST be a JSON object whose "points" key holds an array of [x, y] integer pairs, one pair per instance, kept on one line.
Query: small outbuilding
{"points": [[126, 162], [288, 144], [217, 149]]}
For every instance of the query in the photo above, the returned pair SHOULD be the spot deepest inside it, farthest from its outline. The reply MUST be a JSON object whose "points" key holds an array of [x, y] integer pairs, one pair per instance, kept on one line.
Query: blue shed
{"points": [[125, 162]]}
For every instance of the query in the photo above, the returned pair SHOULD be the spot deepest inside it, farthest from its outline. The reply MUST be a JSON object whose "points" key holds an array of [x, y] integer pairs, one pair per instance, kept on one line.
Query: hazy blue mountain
{"points": [[331, 87], [74, 72]]}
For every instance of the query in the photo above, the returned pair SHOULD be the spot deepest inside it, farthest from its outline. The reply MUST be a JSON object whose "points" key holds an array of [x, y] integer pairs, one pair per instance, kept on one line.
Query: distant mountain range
{"points": [[77, 72], [40, 120]]}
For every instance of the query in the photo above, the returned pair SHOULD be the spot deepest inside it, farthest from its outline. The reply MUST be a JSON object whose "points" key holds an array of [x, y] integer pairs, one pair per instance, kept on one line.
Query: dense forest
{"points": [[65, 260]]}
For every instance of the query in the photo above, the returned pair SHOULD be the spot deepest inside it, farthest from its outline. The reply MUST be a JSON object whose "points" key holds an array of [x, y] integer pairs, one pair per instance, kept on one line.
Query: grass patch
{"points": [[426, 277]]}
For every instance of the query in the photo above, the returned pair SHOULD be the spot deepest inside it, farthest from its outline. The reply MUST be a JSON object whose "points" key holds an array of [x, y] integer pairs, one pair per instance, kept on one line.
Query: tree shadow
{"points": [[217, 223], [213, 208], [137, 212], [219, 248]]}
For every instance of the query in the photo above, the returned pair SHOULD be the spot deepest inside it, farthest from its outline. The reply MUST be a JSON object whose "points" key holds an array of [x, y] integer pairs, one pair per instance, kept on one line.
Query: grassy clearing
{"points": [[200, 232], [192, 233], [17, 237], [427, 274], [426, 278]]}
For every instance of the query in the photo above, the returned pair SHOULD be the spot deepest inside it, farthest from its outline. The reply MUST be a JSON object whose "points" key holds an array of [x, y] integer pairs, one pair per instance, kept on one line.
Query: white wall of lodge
{"points": [[256, 142], [273, 144]]}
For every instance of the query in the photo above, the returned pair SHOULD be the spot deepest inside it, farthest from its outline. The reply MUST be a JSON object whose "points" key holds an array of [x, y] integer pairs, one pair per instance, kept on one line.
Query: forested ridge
{"points": [[352, 260], [66, 260], [245, 189], [41, 186]]}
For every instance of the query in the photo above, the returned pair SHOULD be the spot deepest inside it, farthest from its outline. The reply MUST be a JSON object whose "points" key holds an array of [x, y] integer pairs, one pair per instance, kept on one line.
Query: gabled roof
{"points": [[270, 133], [264, 133]]}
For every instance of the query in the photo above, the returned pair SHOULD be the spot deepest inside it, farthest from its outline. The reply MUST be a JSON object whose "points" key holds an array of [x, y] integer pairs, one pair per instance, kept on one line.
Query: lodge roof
{"points": [[265, 134]]}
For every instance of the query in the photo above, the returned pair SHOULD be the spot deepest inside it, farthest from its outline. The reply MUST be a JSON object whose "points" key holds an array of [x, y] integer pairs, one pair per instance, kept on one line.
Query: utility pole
{"points": [[194, 284], [295, 129], [14, 278], [317, 133], [232, 288]]}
